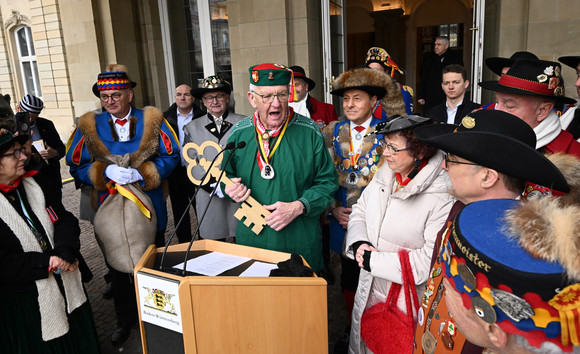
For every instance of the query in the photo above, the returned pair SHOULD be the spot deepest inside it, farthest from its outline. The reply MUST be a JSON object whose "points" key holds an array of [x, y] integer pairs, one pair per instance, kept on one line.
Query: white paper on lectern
{"points": [[213, 263], [259, 269]]}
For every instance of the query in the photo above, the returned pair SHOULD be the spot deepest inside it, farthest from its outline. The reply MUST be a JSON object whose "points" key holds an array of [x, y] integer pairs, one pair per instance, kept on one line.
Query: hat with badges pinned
{"points": [[540, 78], [494, 274], [497, 140], [115, 77], [270, 74], [496, 64], [210, 84], [379, 55]]}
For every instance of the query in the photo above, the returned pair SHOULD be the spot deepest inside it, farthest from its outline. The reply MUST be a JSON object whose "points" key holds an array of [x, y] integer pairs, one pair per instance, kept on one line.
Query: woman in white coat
{"points": [[403, 208]]}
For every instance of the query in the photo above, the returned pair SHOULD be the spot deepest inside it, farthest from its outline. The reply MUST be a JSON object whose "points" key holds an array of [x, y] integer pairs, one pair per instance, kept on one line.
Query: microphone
{"points": [[229, 146], [241, 145]]}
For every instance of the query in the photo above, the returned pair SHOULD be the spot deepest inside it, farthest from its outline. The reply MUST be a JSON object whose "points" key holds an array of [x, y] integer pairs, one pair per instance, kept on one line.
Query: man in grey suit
{"points": [[219, 222]]}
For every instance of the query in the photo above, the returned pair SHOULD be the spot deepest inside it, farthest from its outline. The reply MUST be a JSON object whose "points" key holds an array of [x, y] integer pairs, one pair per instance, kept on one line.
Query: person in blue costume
{"points": [[154, 153], [378, 59]]}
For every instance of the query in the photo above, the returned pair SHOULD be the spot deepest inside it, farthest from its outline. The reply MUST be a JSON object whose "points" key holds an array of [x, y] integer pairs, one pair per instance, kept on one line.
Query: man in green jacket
{"points": [[285, 166]]}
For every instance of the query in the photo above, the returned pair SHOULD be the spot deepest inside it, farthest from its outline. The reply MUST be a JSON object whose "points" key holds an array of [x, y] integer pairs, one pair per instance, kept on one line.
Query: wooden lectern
{"points": [[230, 314]]}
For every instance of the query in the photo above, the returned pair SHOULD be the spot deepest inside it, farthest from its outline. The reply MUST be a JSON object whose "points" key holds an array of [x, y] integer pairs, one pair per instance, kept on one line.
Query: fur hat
{"points": [[374, 82], [115, 77]]}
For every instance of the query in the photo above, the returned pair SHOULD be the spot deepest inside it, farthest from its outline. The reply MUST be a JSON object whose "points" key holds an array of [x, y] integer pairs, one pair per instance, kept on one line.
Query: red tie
{"points": [[121, 122], [359, 128]]}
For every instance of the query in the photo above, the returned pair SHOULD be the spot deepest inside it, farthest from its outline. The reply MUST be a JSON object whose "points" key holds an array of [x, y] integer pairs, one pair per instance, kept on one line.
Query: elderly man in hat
{"points": [[181, 190], [571, 118], [306, 105], [216, 125], [353, 148], [153, 149], [42, 129], [476, 255], [378, 59], [285, 166], [529, 90]]}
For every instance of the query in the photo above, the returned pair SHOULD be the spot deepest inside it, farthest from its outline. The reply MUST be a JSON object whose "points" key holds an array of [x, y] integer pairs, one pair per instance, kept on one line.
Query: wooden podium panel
{"points": [[229, 314]]}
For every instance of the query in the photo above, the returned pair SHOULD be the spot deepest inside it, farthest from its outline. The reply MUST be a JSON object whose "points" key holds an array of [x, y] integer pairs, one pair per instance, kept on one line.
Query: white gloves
{"points": [[216, 190], [122, 175]]}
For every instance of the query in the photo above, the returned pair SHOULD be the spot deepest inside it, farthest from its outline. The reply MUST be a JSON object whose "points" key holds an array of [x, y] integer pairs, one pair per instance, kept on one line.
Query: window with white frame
{"points": [[27, 59]]}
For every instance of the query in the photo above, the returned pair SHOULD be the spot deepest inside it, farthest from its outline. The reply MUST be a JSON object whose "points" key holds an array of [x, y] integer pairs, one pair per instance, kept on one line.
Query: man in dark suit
{"points": [[52, 149], [320, 112], [430, 92], [181, 189], [456, 106]]}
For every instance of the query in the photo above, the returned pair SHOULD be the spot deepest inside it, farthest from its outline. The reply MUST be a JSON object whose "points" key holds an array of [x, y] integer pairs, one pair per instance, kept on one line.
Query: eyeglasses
{"points": [[115, 96], [216, 97], [393, 150], [269, 98], [16, 153], [447, 162]]}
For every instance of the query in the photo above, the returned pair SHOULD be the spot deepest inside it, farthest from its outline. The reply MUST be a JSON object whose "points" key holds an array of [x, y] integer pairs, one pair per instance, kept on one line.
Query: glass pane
{"points": [[22, 40], [337, 45], [27, 77], [36, 91], [443, 30], [185, 41], [221, 38], [453, 35]]}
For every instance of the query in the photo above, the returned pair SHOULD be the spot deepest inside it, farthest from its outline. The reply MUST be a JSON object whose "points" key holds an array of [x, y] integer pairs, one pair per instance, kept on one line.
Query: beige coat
{"points": [[408, 219]]}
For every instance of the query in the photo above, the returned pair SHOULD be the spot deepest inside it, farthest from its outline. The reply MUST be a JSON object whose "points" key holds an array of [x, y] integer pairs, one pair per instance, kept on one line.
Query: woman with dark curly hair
{"points": [[403, 208]]}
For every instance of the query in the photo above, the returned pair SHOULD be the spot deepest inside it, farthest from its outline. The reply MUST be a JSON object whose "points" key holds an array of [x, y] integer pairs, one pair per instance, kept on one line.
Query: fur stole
{"points": [[549, 228], [148, 146]]}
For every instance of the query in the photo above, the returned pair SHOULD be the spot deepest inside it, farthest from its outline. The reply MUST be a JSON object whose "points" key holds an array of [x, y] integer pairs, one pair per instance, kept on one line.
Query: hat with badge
{"points": [[571, 61], [496, 64], [379, 55], [270, 74], [540, 78], [492, 264], [374, 82], [115, 77], [497, 140], [210, 84], [301, 74]]}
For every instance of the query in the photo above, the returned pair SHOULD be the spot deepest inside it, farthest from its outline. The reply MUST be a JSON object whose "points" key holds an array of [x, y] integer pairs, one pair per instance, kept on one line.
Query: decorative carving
{"points": [[16, 19]]}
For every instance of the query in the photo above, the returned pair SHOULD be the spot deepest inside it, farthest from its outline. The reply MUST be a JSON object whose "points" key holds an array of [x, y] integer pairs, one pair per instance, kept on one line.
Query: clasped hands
{"points": [[123, 175], [283, 213], [56, 263]]}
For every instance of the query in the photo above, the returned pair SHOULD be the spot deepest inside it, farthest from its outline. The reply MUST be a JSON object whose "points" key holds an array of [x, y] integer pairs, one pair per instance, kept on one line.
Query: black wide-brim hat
{"points": [[571, 61], [539, 78], [299, 73], [399, 123], [7, 138], [211, 84], [496, 64], [497, 140]]}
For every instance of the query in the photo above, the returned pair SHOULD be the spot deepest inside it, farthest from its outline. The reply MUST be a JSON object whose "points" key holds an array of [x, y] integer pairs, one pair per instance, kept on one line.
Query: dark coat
{"points": [[21, 268], [430, 86], [171, 115], [48, 132], [439, 112]]}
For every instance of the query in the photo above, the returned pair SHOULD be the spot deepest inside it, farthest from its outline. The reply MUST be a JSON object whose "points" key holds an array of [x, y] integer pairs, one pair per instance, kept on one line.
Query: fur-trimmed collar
{"points": [[149, 144]]}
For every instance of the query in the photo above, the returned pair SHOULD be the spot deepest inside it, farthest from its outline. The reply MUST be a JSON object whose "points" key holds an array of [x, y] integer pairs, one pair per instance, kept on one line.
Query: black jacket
{"points": [[51, 138], [430, 86], [171, 115], [439, 112]]}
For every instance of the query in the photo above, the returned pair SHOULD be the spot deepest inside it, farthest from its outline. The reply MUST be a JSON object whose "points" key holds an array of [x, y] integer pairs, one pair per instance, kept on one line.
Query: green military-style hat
{"points": [[270, 74]]}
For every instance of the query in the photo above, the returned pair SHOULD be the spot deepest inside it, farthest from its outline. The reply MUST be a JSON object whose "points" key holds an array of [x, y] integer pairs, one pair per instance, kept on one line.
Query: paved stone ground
{"points": [[103, 309]]}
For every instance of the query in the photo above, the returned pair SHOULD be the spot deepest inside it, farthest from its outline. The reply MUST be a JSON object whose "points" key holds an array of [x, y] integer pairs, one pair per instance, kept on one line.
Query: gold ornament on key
{"points": [[251, 212]]}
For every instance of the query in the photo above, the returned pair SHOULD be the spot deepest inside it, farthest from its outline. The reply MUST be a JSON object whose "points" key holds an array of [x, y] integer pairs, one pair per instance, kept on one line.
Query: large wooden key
{"points": [[251, 212]]}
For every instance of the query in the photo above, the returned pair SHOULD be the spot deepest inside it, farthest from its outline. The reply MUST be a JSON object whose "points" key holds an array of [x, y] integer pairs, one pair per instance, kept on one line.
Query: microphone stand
{"points": [[240, 145], [229, 146]]}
